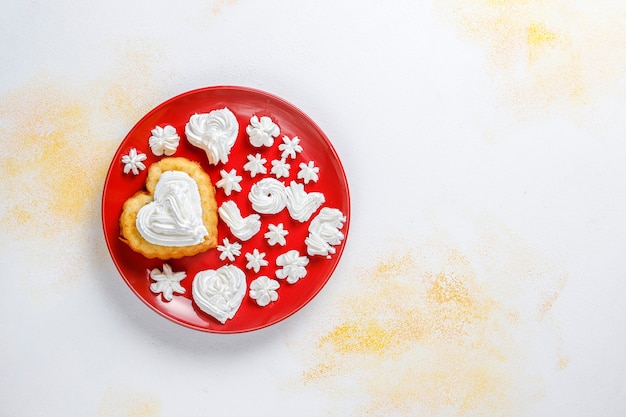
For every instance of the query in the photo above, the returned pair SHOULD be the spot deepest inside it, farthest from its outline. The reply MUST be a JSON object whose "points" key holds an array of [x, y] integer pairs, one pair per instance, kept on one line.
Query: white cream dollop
{"points": [[262, 132], [214, 132], [268, 196], [174, 217], [263, 290], [220, 292], [302, 205], [324, 232], [164, 140], [293, 266], [242, 227]]}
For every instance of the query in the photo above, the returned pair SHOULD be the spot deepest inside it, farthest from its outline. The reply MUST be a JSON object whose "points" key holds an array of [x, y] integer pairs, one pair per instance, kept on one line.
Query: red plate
{"points": [[244, 103]]}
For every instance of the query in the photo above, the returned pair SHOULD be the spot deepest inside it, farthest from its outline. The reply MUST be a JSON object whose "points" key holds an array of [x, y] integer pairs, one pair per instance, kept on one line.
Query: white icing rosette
{"points": [[220, 292], [268, 196], [263, 290], [293, 266], [164, 140], [262, 131], [214, 132]]}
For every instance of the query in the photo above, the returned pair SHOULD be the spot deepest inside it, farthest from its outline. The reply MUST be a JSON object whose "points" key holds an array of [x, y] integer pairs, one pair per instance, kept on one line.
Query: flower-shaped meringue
{"points": [[263, 290], [262, 132], [134, 161], [290, 147], [164, 140], [167, 282], [229, 250], [293, 266], [230, 181], [255, 165], [276, 235], [280, 168], [308, 172], [256, 260]]}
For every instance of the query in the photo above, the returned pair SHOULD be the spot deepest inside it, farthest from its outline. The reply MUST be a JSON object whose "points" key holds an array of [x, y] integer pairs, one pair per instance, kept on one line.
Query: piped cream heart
{"points": [[220, 292], [176, 216]]}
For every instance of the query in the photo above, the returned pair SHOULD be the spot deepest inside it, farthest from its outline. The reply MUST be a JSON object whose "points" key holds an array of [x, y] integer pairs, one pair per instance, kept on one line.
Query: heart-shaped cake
{"points": [[177, 214]]}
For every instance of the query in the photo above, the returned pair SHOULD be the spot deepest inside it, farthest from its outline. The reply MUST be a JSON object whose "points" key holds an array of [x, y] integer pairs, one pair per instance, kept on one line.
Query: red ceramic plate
{"points": [[244, 103]]}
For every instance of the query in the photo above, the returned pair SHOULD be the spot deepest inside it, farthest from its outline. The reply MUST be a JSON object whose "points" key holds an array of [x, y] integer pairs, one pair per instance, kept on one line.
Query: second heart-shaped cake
{"points": [[177, 214]]}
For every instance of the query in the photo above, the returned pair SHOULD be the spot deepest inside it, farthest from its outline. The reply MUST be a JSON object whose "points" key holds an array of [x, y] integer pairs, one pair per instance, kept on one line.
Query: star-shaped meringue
{"points": [[230, 181], [229, 250], [134, 161], [308, 172], [167, 282], [276, 235], [290, 147], [280, 168], [256, 260], [255, 165]]}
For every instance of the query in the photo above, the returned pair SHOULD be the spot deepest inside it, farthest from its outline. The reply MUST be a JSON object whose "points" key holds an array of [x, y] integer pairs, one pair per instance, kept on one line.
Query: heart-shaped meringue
{"points": [[220, 292], [214, 132]]}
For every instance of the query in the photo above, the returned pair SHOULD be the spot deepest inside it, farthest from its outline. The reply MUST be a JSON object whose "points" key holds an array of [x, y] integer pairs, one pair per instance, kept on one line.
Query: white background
{"points": [[490, 129]]}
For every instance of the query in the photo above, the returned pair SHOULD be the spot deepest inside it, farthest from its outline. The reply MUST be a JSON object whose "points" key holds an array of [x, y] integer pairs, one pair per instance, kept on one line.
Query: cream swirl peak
{"points": [[174, 217], [268, 196], [214, 132]]}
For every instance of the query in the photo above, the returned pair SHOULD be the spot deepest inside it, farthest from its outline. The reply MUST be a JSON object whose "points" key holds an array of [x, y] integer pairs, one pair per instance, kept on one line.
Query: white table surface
{"points": [[484, 143]]}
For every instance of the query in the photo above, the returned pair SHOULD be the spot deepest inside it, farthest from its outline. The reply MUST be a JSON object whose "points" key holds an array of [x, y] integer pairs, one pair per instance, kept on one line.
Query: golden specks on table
{"points": [[59, 136], [546, 55], [438, 330], [118, 402]]}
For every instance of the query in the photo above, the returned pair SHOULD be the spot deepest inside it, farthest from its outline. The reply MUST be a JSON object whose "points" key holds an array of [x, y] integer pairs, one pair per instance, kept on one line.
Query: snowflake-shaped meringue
{"points": [[276, 235], [229, 250], [262, 132], [290, 147], [167, 282], [230, 181], [263, 290], [164, 140], [134, 161], [308, 172], [255, 165], [293, 266], [280, 168], [256, 260]]}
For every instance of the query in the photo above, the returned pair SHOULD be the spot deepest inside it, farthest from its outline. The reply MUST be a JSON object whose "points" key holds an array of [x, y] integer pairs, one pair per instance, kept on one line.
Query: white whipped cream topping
{"points": [[174, 218], [256, 260], [280, 168], [293, 266], [263, 290], [276, 235], [268, 196], [229, 250], [324, 232], [255, 165], [302, 205], [262, 132], [133, 161], [290, 147], [220, 292], [164, 140], [214, 132], [229, 182], [308, 172], [167, 282], [241, 227]]}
